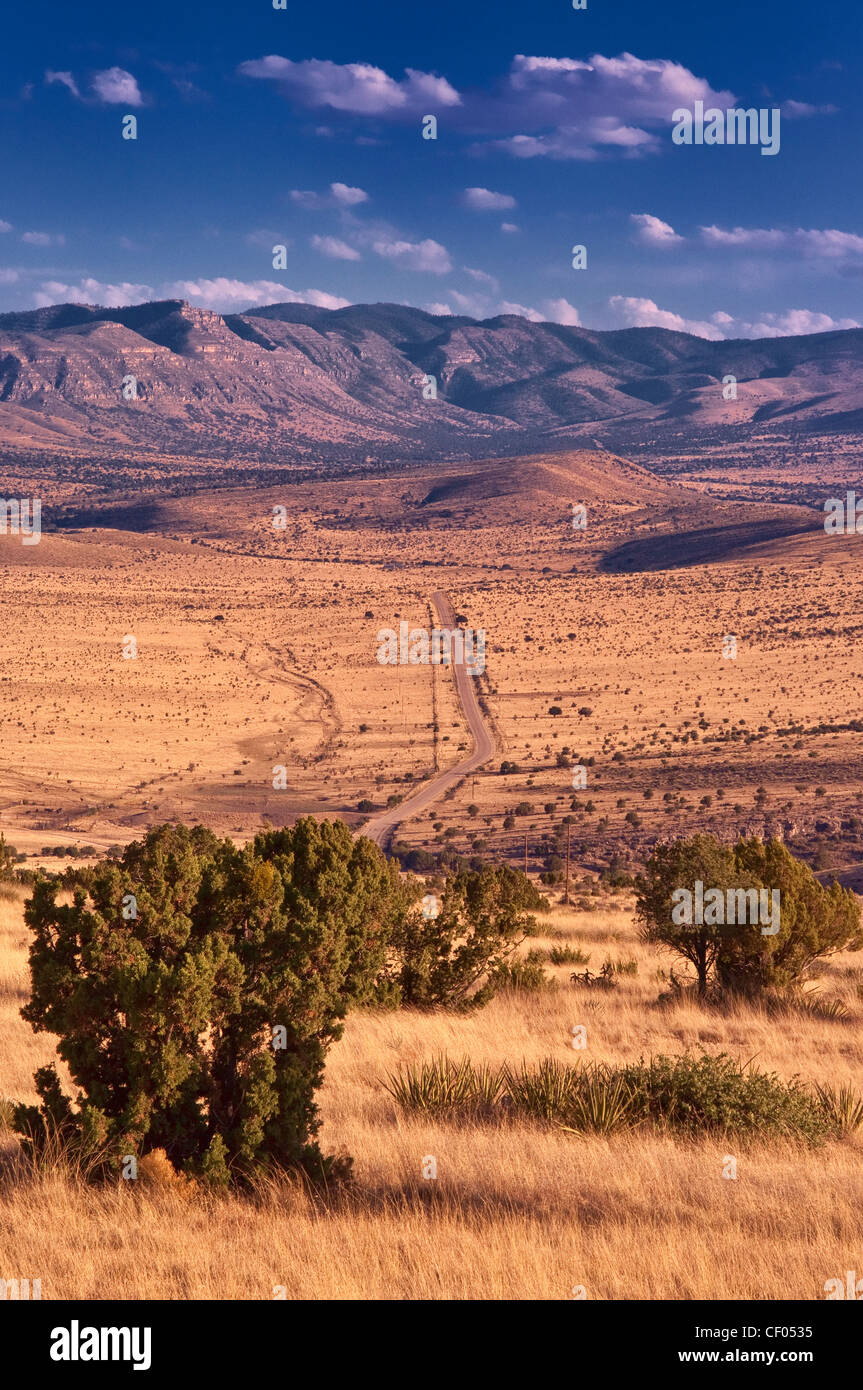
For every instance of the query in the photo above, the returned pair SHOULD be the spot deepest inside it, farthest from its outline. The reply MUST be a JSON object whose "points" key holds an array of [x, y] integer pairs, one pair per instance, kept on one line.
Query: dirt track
{"points": [[381, 827]]}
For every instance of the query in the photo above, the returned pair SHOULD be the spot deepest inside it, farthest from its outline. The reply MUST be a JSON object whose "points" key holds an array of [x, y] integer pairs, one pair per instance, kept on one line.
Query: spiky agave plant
{"points": [[842, 1106], [603, 1103], [438, 1084], [544, 1092]]}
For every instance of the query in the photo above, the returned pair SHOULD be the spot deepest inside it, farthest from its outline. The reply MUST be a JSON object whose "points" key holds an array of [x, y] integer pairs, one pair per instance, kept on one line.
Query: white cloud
{"points": [[623, 104], [348, 196], [43, 238], [90, 291], [561, 311], [340, 195], [644, 313], [436, 308], [5, 226], [789, 323], [505, 307], [742, 236], [225, 294], [652, 231], [821, 243], [791, 109], [334, 248], [557, 108], [8, 277], [415, 255], [117, 87], [483, 200], [829, 243], [483, 277], [357, 87], [509, 227], [65, 79]]}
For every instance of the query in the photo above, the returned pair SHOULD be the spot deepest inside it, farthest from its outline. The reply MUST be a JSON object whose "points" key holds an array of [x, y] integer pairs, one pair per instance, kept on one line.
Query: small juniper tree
{"points": [[452, 960], [195, 989]]}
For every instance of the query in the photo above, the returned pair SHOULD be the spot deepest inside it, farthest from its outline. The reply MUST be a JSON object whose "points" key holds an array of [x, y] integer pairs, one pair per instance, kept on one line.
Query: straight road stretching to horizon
{"points": [[380, 828]]}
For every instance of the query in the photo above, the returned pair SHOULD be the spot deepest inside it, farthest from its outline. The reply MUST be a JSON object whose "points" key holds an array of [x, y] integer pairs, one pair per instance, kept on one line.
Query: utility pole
{"points": [[568, 839]]}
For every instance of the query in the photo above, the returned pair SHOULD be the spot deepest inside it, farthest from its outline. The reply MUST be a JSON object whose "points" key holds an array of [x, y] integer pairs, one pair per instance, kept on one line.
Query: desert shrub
{"points": [[451, 960], [568, 955], [621, 967], [195, 1015], [524, 975], [687, 1095], [9, 857], [718, 1094], [418, 861]]}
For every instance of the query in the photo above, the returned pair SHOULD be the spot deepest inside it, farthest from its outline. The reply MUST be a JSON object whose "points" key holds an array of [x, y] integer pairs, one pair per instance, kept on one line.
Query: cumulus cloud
{"points": [[624, 105], [223, 293], [65, 79], [509, 227], [742, 236], [561, 311], [348, 196], [522, 310], [415, 255], [484, 200], [336, 249], [8, 277], [439, 309], [633, 312], [791, 322], [5, 226], [644, 313], [821, 243], [43, 238], [829, 243], [557, 108], [360, 88], [91, 291], [116, 87], [652, 231], [340, 195]]}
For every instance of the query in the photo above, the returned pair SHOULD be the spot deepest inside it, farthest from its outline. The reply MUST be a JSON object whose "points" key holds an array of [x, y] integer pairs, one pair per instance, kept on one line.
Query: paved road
{"points": [[381, 827]]}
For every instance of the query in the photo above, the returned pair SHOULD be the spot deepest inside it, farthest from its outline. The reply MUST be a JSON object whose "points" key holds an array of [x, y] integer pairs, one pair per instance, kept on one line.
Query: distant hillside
{"points": [[291, 381]]}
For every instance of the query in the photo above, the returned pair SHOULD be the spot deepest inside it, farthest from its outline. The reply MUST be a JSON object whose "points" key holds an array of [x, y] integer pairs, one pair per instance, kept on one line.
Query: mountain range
{"points": [[294, 382]]}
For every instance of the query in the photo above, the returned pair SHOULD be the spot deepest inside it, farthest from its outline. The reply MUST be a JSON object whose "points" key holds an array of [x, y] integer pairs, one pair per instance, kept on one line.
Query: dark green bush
{"points": [[452, 960], [167, 1015]]}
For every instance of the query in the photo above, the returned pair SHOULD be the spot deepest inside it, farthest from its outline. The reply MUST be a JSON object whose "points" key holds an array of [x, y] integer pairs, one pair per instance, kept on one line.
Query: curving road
{"points": [[380, 828]]}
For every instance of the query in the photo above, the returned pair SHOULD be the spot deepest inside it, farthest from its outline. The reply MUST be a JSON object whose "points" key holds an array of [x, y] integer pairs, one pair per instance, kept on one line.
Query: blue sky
{"points": [[303, 127]]}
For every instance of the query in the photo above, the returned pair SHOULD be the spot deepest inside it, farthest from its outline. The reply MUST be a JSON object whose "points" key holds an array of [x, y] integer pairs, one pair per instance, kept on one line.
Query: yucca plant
{"points": [[438, 1084], [842, 1106], [545, 1092], [602, 1102]]}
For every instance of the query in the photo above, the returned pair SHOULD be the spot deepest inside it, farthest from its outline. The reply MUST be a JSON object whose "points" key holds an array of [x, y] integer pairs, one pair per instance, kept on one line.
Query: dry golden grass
{"points": [[517, 1211]]}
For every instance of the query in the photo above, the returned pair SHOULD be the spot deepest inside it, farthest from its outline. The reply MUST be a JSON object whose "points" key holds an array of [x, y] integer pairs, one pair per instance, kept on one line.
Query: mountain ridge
{"points": [[287, 380]]}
